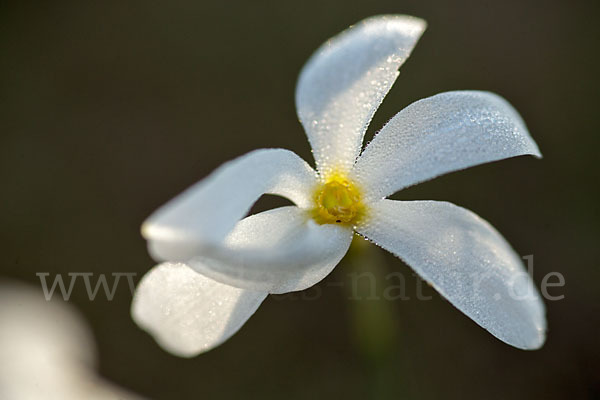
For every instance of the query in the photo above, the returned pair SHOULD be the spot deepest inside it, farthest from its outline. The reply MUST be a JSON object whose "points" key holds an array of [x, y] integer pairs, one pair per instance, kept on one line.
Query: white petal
{"points": [[188, 313], [443, 133], [467, 261], [343, 83], [207, 211], [278, 251]]}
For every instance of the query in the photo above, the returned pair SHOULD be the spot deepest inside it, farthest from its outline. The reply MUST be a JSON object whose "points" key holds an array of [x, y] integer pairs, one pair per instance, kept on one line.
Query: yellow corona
{"points": [[338, 201]]}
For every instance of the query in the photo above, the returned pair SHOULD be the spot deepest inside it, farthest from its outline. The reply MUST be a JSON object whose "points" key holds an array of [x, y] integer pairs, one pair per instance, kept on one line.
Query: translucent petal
{"points": [[188, 313], [343, 83], [277, 251], [207, 211], [467, 261], [443, 133]]}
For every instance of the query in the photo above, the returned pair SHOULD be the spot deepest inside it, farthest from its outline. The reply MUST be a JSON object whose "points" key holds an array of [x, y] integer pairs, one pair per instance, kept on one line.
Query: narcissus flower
{"points": [[219, 266]]}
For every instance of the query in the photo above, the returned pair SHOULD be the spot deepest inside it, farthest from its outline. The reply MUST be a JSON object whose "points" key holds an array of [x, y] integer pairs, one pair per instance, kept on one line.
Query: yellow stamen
{"points": [[337, 201]]}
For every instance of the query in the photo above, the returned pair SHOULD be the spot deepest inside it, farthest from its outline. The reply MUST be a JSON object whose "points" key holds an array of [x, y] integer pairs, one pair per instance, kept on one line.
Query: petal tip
{"points": [[188, 314], [534, 344], [418, 24], [145, 229]]}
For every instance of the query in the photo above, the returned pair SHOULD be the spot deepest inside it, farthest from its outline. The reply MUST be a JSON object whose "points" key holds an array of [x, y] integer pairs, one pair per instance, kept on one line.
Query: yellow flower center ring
{"points": [[338, 201]]}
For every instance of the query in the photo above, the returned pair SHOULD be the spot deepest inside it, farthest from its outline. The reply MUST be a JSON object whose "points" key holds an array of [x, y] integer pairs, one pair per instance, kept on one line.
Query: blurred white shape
{"points": [[46, 350]]}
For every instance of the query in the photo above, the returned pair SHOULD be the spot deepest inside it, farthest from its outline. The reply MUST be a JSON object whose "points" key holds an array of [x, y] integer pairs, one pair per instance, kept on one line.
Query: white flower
{"points": [[220, 267], [46, 350]]}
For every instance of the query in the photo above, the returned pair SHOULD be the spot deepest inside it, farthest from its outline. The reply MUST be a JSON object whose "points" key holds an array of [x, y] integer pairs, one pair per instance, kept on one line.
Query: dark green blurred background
{"points": [[110, 108]]}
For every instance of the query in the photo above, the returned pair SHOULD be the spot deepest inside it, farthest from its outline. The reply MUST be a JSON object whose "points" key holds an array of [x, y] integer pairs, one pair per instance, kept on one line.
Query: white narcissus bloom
{"points": [[220, 266]]}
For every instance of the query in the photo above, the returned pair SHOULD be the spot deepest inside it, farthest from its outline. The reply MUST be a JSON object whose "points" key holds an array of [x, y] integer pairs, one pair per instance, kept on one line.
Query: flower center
{"points": [[338, 201]]}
